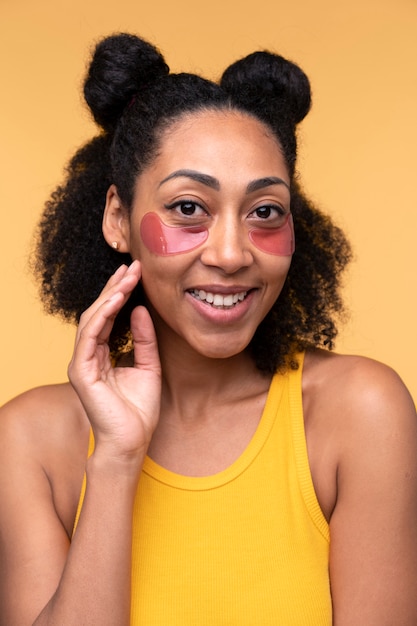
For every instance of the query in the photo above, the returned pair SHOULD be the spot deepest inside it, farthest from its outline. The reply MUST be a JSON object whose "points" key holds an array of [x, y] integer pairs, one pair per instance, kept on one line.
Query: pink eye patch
{"points": [[279, 241], [166, 240]]}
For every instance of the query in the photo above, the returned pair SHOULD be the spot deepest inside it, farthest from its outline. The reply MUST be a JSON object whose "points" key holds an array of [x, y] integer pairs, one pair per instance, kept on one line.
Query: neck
{"points": [[210, 409], [191, 380], [195, 386]]}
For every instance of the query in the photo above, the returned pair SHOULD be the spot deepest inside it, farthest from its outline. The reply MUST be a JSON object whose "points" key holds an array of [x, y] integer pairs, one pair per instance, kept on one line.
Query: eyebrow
{"points": [[199, 177], [214, 183], [266, 182]]}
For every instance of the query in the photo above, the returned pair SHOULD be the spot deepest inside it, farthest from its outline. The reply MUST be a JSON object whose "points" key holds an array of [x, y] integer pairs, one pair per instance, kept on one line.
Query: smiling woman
{"points": [[264, 88], [210, 461], [227, 202]]}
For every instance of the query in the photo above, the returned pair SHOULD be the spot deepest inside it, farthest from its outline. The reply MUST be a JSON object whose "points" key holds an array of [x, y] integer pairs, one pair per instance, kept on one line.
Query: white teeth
{"points": [[218, 300], [228, 301]]}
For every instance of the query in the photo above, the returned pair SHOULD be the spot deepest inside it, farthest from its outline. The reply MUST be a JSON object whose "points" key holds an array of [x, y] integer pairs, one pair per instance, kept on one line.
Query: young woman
{"points": [[208, 463]]}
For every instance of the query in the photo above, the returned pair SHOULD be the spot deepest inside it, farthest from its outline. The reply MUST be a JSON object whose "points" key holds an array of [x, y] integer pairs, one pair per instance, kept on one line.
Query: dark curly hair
{"points": [[134, 100]]}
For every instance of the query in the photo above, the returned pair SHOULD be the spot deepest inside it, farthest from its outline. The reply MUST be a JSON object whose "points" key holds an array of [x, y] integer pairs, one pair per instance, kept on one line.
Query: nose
{"points": [[228, 246]]}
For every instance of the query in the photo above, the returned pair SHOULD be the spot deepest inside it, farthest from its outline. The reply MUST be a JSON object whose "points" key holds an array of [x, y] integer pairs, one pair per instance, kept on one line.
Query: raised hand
{"points": [[122, 403]]}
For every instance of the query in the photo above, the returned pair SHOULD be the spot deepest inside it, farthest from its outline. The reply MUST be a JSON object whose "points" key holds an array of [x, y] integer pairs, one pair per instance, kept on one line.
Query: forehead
{"points": [[215, 138]]}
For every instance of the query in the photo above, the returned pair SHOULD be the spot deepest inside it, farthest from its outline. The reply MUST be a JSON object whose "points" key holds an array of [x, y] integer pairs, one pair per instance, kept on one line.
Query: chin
{"points": [[224, 350]]}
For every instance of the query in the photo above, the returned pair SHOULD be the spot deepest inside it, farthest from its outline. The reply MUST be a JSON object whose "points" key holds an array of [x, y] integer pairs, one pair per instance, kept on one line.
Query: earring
{"points": [[115, 245]]}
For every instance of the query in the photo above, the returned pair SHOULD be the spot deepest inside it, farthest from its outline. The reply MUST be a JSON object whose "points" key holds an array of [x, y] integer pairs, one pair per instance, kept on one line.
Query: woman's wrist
{"points": [[107, 464]]}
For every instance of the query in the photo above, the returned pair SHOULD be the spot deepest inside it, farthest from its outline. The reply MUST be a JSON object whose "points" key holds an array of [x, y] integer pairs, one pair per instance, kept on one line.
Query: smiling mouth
{"points": [[217, 300]]}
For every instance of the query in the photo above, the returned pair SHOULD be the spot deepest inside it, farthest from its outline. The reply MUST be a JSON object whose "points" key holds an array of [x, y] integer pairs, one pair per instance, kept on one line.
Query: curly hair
{"points": [[135, 100]]}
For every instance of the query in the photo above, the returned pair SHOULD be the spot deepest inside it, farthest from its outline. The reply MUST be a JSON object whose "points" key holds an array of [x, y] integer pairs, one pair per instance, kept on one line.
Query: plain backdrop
{"points": [[357, 147]]}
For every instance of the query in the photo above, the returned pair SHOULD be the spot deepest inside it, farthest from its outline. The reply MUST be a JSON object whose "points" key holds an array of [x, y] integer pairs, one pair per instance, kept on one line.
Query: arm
{"points": [[373, 528], [35, 548], [45, 579]]}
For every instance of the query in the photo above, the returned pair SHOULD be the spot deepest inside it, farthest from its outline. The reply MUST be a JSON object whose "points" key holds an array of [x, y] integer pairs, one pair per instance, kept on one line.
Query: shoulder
{"points": [[358, 416], [41, 398], [358, 399], [354, 385], [43, 446], [43, 393], [41, 423], [361, 429], [43, 411]]}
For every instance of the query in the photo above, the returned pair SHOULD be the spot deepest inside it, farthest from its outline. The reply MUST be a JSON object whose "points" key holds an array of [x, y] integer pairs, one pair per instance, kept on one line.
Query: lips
{"points": [[218, 300]]}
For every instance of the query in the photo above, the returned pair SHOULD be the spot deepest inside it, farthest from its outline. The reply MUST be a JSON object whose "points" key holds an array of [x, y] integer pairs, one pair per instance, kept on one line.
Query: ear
{"points": [[116, 223]]}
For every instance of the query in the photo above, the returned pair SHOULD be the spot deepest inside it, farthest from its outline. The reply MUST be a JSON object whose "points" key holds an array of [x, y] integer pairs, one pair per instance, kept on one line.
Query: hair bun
{"points": [[262, 75], [121, 65]]}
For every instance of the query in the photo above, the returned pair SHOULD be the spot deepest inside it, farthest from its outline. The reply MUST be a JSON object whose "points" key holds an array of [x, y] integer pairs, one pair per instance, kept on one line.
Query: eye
{"points": [[264, 212], [186, 208], [271, 213]]}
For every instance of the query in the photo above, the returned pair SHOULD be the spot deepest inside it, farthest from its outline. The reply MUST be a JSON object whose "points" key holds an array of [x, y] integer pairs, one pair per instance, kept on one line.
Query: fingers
{"points": [[146, 355], [97, 321], [124, 279]]}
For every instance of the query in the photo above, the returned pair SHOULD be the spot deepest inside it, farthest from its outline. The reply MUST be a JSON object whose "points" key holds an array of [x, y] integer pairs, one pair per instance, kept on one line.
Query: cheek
{"points": [[277, 241], [165, 240]]}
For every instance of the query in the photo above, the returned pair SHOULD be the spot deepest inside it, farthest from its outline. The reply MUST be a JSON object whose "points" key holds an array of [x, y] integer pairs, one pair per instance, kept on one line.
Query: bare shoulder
{"points": [[40, 397], [45, 430], [42, 418], [353, 406], [357, 387], [43, 449], [368, 410], [361, 429]]}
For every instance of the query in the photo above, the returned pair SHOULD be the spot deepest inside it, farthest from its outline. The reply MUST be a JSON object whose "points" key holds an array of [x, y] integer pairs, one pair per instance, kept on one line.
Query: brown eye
{"points": [[268, 212], [264, 212], [187, 208]]}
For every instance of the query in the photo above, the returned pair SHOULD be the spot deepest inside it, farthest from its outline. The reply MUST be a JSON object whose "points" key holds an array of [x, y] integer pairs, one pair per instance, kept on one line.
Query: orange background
{"points": [[357, 151]]}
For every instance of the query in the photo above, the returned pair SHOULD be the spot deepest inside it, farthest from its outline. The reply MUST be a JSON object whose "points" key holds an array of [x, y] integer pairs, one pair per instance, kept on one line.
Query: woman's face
{"points": [[215, 245]]}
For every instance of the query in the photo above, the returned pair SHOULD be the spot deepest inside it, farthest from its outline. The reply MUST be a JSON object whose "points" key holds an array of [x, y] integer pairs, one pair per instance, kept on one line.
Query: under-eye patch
{"points": [[279, 241], [166, 240]]}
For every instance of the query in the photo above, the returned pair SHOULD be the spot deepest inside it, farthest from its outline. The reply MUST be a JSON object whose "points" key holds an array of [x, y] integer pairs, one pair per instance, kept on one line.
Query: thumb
{"points": [[145, 347]]}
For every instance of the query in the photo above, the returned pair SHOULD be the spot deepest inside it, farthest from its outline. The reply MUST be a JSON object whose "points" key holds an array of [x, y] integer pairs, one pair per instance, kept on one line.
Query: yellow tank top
{"points": [[248, 546]]}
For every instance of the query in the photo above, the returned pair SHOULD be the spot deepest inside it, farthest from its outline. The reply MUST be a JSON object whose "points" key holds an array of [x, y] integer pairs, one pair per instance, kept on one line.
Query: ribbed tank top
{"points": [[248, 546]]}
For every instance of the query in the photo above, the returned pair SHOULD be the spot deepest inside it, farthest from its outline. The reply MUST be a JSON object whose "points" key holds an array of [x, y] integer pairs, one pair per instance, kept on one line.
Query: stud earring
{"points": [[115, 245]]}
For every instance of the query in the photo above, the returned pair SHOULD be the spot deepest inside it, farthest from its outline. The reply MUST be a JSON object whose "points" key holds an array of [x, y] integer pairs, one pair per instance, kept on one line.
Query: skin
{"points": [[360, 422]]}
